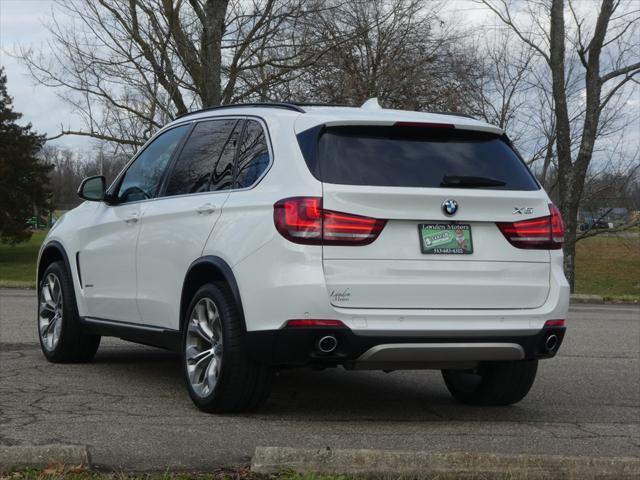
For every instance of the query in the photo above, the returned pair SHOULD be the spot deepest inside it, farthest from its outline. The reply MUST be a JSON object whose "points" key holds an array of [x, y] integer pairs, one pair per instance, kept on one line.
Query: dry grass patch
{"points": [[609, 266]]}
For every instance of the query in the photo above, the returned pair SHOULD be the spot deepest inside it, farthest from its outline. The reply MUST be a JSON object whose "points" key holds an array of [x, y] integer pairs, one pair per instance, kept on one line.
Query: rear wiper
{"points": [[453, 181]]}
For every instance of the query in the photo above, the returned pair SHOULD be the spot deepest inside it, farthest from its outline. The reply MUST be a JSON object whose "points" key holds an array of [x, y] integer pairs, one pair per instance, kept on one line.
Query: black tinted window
{"points": [[222, 178], [418, 157], [206, 161], [253, 157], [142, 179]]}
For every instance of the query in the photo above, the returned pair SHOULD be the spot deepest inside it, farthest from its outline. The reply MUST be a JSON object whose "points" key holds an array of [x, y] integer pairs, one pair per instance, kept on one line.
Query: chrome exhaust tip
{"points": [[327, 344], [551, 342]]}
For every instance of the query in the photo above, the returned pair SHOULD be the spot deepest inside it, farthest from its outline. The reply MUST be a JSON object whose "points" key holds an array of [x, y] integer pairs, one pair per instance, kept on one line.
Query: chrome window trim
{"points": [[260, 120]]}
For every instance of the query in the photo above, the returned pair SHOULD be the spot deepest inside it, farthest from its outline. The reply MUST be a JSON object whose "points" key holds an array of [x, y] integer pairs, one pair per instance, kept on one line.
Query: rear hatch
{"points": [[442, 191]]}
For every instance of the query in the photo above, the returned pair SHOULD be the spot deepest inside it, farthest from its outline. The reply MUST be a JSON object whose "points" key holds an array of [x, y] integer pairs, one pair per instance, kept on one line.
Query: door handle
{"points": [[133, 218], [207, 209]]}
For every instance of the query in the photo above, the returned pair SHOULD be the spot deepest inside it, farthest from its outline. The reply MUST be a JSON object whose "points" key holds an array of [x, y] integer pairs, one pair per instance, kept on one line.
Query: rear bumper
{"points": [[291, 284], [379, 350]]}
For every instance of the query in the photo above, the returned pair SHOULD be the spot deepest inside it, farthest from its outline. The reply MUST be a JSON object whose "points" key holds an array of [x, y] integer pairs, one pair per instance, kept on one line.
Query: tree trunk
{"points": [[566, 175], [569, 245], [572, 174], [211, 42]]}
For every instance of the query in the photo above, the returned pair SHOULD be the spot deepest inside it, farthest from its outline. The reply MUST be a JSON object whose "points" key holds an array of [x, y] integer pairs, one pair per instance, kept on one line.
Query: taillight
{"points": [[349, 229], [303, 220], [543, 233], [299, 219]]}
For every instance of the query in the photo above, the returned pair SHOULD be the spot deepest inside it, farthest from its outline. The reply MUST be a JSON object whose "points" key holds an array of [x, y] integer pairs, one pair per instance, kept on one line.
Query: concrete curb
{"points": [[269, 460], [583, 298], [13, 457]]}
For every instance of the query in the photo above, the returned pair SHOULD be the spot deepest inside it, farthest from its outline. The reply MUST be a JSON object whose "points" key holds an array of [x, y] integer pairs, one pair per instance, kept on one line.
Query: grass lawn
{"points": [[18, 263], [609, 266], [605, 265]]}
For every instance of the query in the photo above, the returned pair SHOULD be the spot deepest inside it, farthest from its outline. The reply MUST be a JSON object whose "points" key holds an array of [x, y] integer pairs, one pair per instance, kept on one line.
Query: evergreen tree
{"points": [[23, 176]]}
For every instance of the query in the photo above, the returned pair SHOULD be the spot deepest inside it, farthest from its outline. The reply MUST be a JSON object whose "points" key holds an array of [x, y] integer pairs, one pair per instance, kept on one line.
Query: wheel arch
{"points": [[52, 252], [208, 269]]}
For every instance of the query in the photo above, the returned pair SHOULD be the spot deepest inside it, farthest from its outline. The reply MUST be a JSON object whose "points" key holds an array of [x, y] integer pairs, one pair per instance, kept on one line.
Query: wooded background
{"points": [[561, 77]]}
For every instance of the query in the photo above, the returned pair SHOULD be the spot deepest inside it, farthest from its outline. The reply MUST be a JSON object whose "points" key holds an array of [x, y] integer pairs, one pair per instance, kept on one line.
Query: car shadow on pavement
{"points": [[374, 396], [362, 395], [134, 353], [331, 394]]}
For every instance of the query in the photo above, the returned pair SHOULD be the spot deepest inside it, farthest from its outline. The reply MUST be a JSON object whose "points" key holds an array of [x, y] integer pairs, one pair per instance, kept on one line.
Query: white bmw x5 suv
{"points": [[264, 236]]}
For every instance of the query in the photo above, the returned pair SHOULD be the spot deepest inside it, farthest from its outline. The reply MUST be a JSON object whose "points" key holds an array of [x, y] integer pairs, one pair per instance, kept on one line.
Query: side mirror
{"points": [[92, 188]]}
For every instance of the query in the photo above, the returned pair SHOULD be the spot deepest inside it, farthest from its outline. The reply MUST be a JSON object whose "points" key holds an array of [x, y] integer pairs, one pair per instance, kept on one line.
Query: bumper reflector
{"points": [[314, 323], [554, 323]]}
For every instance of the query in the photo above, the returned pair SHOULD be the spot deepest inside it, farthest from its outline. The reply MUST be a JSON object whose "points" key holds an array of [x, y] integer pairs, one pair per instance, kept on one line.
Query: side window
{"points": [[206, 161], [253, 157], [222, 178], [143, 177]]}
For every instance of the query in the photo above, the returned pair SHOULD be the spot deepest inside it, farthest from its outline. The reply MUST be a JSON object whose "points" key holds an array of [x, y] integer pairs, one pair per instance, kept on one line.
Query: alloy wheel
{"points": [[203, 347], [50, 311]]}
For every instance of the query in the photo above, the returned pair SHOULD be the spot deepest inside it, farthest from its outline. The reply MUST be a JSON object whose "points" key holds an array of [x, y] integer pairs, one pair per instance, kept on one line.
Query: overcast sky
{"points": [[21, 23]]}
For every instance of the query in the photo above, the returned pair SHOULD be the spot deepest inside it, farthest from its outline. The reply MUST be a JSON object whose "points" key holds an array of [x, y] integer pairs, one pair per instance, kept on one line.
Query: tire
{"points": [[59, 329], [492, 383], [219, 376]]}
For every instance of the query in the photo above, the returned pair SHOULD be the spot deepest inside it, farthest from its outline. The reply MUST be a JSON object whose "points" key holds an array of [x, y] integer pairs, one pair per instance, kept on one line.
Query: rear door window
{"points": [[206, 161], [417, 157], [253, 156]]}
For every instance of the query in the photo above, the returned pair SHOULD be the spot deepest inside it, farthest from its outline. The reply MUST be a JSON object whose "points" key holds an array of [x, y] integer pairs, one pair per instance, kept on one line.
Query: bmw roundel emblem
{"points": [[449, 207]]}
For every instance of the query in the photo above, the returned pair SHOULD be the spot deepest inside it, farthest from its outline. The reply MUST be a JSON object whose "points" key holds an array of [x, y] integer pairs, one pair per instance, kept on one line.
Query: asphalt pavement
{"points": [[131, 409]]}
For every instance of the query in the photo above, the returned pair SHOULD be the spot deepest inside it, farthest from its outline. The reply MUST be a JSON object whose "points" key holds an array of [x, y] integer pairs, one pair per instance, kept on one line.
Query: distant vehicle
{"points": [[601, 224], [266, 236], [595, 225], [37, 222]]}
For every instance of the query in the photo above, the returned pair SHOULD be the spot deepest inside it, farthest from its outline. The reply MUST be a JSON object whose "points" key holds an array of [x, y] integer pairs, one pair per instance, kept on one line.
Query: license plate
{"points": [[445, 238]]}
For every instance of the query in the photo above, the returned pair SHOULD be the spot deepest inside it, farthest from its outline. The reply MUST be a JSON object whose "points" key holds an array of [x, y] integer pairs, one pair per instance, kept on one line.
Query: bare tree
{"points": [[504, 89], [604, 42], [129, 66], [401, 51], [514, 94]]}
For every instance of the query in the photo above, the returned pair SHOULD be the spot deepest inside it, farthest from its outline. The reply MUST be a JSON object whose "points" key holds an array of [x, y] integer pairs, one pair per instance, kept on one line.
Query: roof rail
{"points": [[296, 107], [315, 104], [286, 106]]}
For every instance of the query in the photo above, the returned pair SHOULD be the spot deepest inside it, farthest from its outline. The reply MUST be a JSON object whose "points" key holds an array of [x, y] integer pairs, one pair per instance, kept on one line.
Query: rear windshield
{"points": [[416, 157]]}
